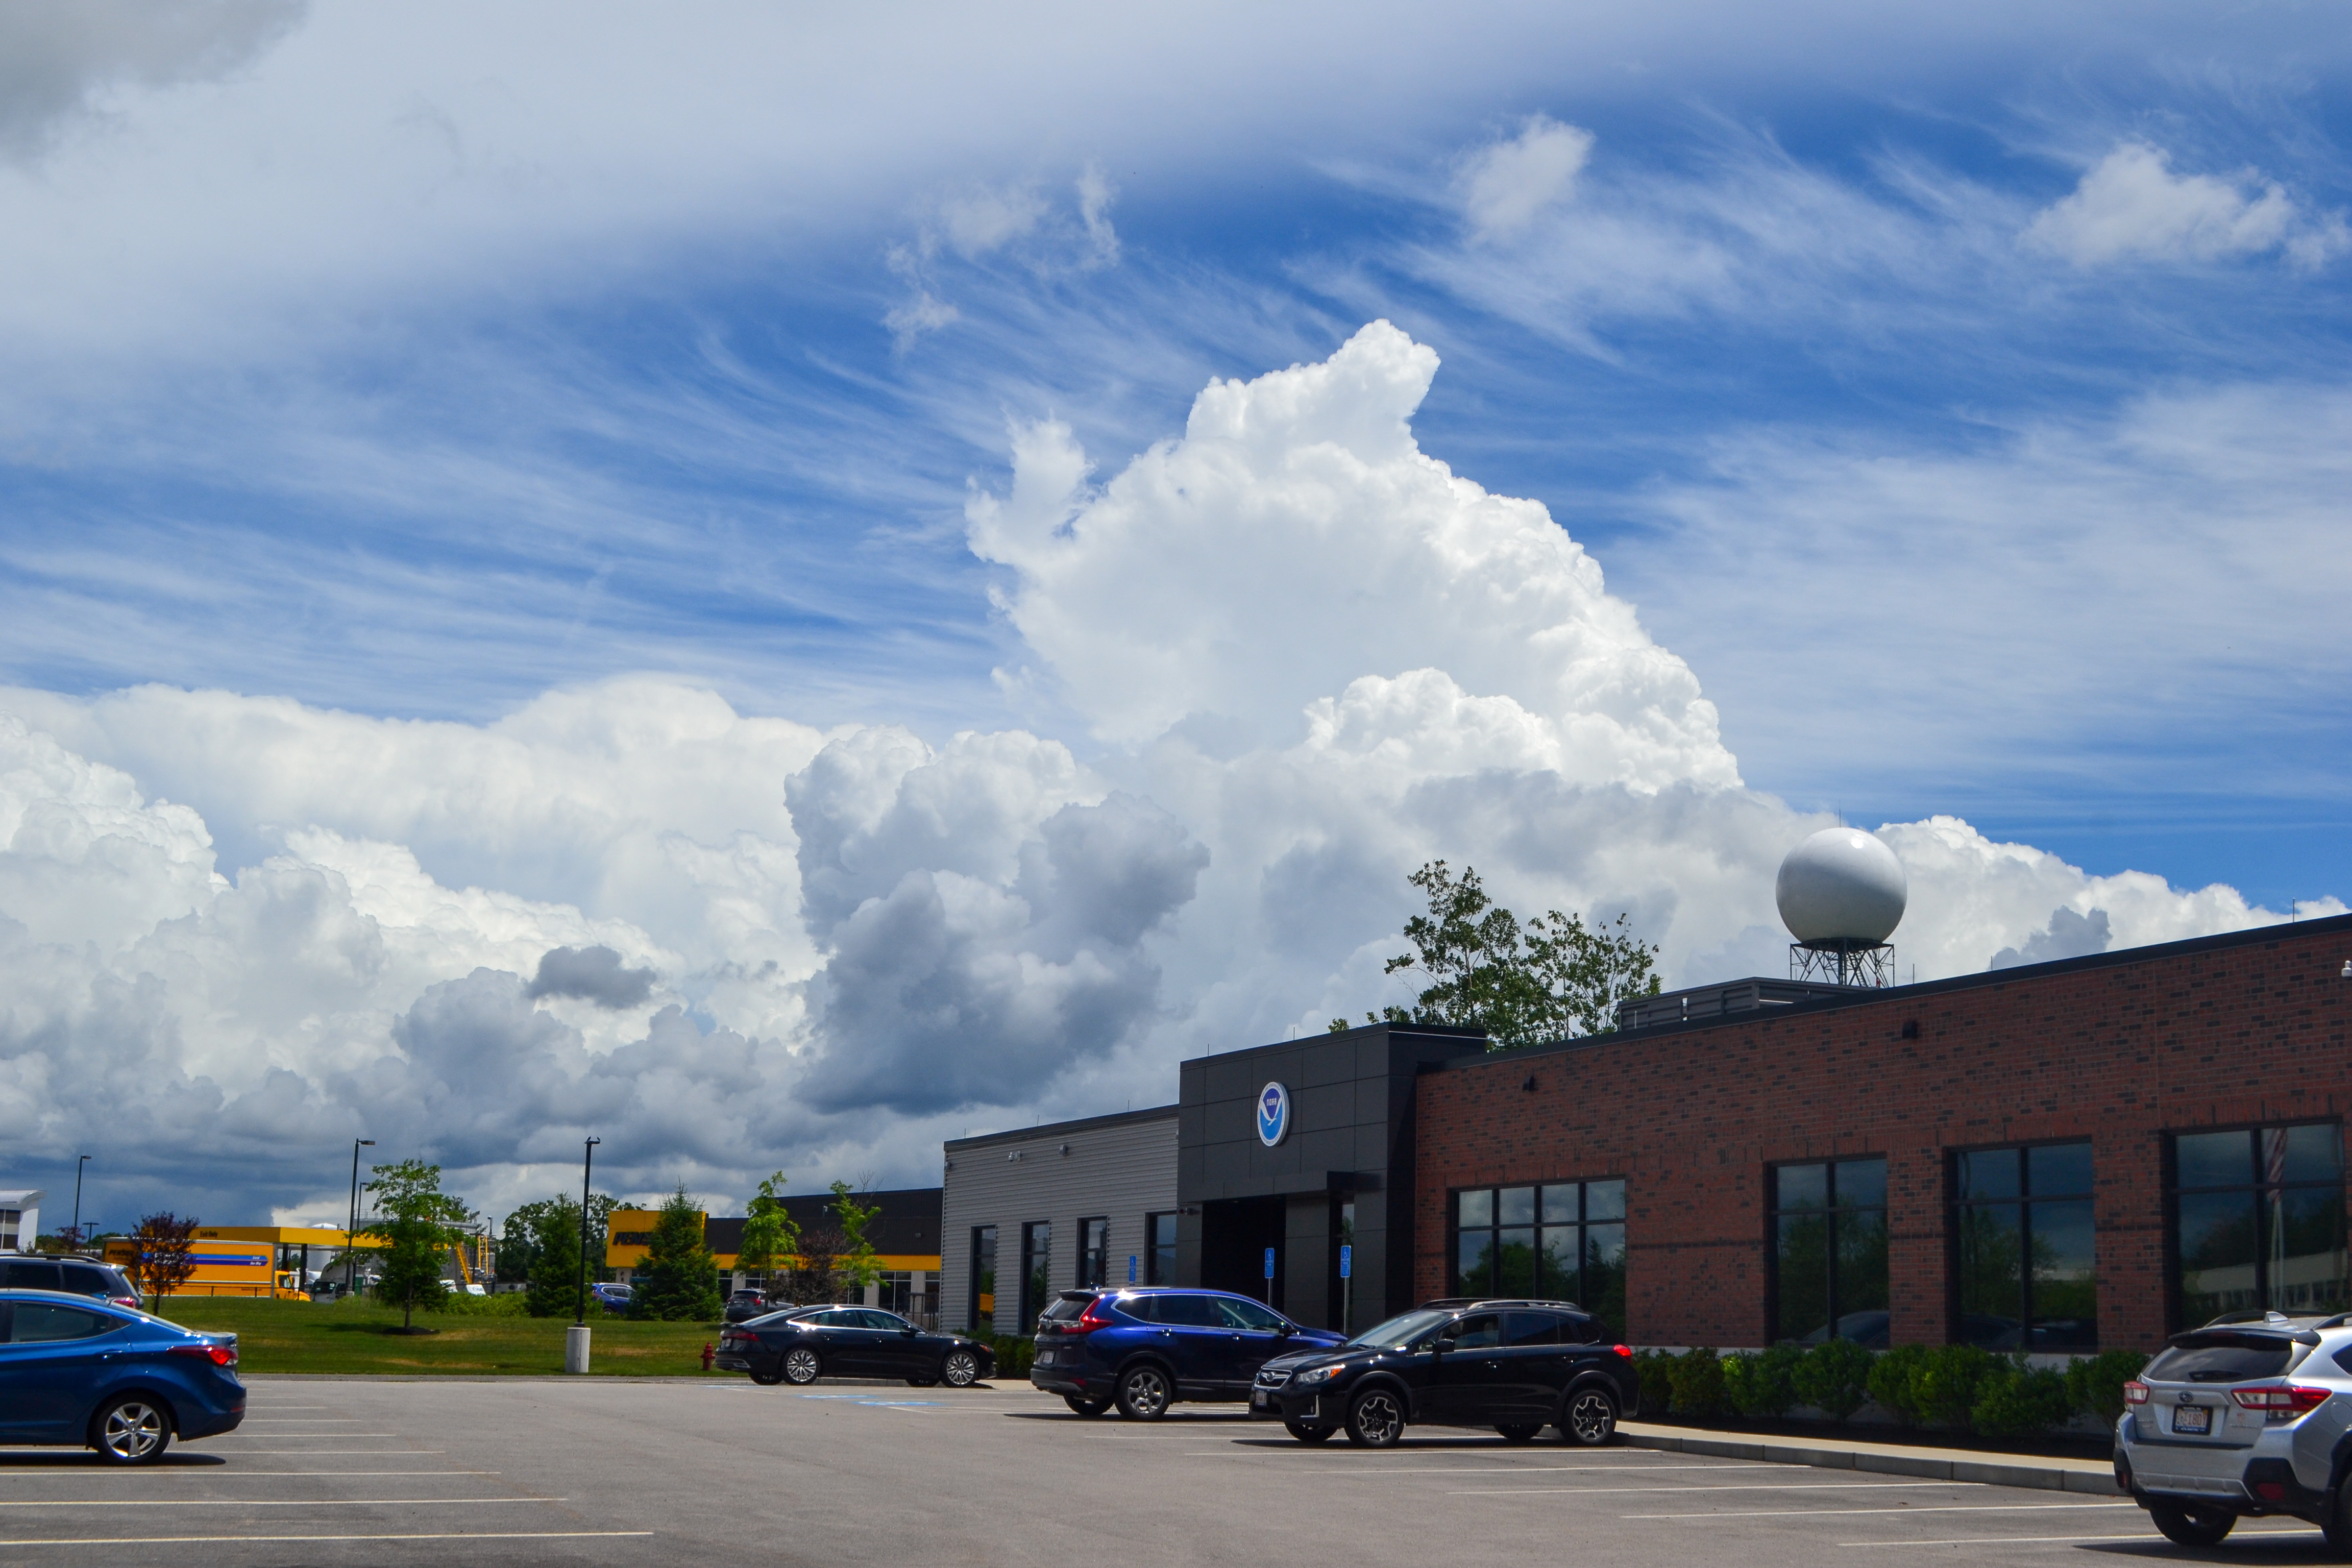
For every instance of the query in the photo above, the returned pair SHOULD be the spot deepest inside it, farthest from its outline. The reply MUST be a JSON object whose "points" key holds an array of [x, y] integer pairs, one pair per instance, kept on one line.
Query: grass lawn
{"points": [[354, 1336]]}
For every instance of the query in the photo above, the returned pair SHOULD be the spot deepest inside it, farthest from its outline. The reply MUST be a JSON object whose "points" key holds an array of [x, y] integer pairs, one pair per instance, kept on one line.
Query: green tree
{"points": [[770, 1236], [553, 1231], [855, 1262], [1551, 977], [417, 1222], [678, 1280], [533, 1226]]}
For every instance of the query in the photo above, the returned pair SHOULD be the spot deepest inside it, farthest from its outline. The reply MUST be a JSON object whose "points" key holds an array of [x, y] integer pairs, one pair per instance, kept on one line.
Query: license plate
{"points": [[1259, 1398], [2195, 1419]]}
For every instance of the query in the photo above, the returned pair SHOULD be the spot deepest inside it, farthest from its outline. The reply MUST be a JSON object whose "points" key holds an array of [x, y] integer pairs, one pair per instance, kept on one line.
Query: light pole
{"points": [[351, 1232], [587, 1163], [77, 1224]]}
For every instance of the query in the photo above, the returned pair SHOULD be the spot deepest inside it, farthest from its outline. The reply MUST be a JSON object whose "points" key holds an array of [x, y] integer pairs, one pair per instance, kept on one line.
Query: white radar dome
{"points": [[1841, 885]]}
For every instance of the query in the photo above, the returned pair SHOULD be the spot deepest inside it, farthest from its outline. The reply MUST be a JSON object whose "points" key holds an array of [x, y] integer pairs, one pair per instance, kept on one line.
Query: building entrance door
{"points": [[1235, 1234]]}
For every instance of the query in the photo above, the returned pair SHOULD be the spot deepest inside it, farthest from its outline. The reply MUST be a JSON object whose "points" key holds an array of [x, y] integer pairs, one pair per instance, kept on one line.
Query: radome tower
{"points": [[1841, 893]]}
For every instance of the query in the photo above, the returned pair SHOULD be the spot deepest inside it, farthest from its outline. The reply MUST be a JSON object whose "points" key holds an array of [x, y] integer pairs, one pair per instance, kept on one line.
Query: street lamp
{"points": [[351, 1231], [77, 1224], [587, 1163]]}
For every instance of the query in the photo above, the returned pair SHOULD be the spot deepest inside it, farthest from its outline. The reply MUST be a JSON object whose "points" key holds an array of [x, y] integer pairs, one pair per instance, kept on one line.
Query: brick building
{"points": [[2083, 1153]]}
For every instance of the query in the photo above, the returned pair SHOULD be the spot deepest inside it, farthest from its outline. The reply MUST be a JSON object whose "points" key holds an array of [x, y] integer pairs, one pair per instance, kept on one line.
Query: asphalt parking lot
{"points": [[604, 1471]]}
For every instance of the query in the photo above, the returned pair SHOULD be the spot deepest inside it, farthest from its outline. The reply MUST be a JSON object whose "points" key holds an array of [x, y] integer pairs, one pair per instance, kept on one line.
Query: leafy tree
{"points": [[533, 1226], [810, 1280], [855, 1264], [1551, 977], [553, 1229], [163, 1253], [417, 1223], [678, 1280], [771, 1236]]}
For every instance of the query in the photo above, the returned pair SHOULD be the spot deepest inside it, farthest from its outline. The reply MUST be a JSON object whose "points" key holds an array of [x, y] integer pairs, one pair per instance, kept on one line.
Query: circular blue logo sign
{"points": [[1273, 1114]]}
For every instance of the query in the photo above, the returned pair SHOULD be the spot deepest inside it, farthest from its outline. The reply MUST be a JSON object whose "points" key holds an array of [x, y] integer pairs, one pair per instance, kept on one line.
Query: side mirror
{"points": [[1283, 1330], [908, 1332]]}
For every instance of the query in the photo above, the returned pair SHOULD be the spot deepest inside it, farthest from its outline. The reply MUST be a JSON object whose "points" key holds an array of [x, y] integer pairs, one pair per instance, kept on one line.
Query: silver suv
{"points": [[2251, 1415]]}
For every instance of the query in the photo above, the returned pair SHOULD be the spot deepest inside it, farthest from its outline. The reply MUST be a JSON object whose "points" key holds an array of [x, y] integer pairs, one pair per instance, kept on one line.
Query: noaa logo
{"points": [[1273, 1114]]}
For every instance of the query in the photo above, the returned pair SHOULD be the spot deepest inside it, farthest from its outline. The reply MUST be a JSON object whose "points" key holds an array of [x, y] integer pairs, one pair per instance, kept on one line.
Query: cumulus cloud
{"points": [[57, 62], [1312, 657], [2070, 935], [2130, 206], [593, 974], [1505, 184]]}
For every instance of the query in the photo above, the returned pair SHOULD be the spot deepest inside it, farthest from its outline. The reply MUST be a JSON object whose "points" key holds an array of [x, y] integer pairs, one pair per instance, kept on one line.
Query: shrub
{"points": [[1894, 1382], [1013, 1355], [1697, 1378], [2014, 1400], [2094, 1384], [1834, 1378], [1655, 1371], [1947, 1381], [1762, 1386], [510, 1304]]}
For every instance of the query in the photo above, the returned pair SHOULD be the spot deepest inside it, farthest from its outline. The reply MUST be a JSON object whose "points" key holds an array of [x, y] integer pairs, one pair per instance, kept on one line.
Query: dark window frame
{"points": [[995, 1242], [1034, 1291], [2025, 1201], [1832, 1209], [1094, 1252], [1583, 1225], [1152, 1274], [2174, 1292]]}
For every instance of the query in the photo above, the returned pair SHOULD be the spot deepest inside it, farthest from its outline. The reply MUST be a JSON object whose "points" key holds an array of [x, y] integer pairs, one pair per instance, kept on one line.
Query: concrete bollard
{"points": [[575, 1348]]}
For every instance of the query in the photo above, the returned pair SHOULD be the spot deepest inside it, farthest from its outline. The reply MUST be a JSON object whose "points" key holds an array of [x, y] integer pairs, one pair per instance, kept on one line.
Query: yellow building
{"points": [[905, 1237], [249, 1260]]}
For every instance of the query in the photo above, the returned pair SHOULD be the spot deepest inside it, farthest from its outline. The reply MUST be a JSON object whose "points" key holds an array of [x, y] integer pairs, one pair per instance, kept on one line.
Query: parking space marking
{"points": [[1515, 1470], [261, 1503], [1765, 1486], [220, 1473], [1843, 1513], [379, 1453], [327, 1539]]}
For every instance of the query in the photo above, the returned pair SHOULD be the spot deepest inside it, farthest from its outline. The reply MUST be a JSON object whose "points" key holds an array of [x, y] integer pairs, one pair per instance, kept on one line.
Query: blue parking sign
{"points": [[1269, 1263], [1347, 1258], [1130, 1268]]}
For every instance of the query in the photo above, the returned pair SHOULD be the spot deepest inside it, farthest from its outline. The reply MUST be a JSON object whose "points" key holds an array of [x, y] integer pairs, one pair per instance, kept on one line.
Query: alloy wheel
{"points": [[960, 1369], [802, 1366], [133, 1432], [1144, 1395], [1375, 1420], [1591, 1419]]}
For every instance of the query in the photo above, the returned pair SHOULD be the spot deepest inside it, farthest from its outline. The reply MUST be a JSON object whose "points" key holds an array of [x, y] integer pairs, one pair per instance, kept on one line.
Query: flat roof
{"points": [[1056, 1129]]}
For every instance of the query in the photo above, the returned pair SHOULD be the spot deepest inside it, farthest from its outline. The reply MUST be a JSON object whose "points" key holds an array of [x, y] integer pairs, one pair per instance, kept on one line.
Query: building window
{"points": [[1036, 1272], [1159, 1249], [1562, 1240], [1829, 1251], [983, 1280], [2024, 1270], [1094, 1252], [10, 1219], [2258, 1221]]}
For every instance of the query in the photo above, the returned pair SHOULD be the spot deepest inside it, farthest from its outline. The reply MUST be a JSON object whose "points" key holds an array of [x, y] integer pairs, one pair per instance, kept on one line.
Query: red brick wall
{"points": [[2120, 1054]]}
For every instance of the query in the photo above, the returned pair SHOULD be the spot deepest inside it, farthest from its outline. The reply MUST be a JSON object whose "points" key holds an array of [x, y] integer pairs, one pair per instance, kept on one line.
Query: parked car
{"points": [[745, 1305], [615, 1297], [1146, 1350], [75, 1275], [2244, 1418], [77, 1370], [801, 1344], [1515, 1367]]}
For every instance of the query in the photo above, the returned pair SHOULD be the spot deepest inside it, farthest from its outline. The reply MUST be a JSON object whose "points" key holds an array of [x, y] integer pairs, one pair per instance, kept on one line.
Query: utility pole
{"points": [[351, 1231], [77, 1223], [575, 1338]]}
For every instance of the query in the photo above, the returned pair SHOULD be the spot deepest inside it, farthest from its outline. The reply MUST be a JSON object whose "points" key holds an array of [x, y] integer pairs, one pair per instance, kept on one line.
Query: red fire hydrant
{"points": [[709, 1355]]}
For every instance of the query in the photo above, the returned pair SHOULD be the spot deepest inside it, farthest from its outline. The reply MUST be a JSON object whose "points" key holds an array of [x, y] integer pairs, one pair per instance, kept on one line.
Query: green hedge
{"points": [[1959, 1387]]}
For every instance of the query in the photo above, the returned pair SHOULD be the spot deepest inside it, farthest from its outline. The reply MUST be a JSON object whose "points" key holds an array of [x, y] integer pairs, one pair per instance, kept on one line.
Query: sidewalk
{"points": [[2093, 1476]]}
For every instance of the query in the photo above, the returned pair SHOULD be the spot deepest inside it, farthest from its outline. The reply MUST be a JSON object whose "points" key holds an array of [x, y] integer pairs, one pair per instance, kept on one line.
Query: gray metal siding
{"points": [[1123, 1170]]}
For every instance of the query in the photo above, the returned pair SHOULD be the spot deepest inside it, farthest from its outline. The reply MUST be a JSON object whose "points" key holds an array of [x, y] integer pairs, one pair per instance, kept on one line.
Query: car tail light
{"points": [[1626, 1350], [1094, 1317], [2135, 1392], [2283, 1404], [219, 1355], [130, 1302]]}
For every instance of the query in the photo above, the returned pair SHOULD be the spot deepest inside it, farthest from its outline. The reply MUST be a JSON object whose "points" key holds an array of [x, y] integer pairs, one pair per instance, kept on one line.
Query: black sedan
{"points": [[1515, 1367], [801, 1344]]}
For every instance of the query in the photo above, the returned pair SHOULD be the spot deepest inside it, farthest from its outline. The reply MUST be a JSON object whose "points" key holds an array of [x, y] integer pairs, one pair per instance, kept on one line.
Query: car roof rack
{"points": [[1450, 1303]]}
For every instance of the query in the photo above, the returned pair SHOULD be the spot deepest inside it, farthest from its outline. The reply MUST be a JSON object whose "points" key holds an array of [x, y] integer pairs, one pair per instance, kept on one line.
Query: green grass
{"points": [[354, 1336]]}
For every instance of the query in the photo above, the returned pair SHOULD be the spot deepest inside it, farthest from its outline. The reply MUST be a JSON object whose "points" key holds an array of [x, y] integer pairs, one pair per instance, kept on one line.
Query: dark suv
{"points": [[75, 1275], [1146, 1350], [1517, 1366]]}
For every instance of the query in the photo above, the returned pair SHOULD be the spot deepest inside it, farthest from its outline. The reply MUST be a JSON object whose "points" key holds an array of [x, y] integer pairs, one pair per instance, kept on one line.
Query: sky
{"points": [[772, 587]]}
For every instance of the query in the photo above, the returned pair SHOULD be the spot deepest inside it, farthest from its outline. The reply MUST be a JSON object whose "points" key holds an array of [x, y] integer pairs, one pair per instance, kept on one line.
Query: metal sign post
{"points": [[1269, 1277], [1346, 1289]]}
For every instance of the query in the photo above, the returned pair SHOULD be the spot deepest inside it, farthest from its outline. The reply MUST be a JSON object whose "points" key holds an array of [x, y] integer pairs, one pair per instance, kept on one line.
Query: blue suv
{"points": [[77, 1370], [1146, 1350]]}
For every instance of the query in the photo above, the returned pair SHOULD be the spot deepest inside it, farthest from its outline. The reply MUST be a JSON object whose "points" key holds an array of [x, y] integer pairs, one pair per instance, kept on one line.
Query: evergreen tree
{"points": [[679, 1280], [554, 1232]]}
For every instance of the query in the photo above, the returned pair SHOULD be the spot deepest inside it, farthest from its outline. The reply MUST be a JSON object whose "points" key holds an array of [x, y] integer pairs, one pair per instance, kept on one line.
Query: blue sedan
{"points": [[78, 1371]]}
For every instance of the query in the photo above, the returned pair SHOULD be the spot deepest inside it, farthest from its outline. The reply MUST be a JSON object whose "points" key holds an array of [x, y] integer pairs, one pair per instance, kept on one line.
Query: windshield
{"points": [[1400, 1331]]}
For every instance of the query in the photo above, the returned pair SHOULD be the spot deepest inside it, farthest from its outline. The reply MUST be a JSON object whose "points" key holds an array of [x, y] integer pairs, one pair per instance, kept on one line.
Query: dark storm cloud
{"points": [[592, 973]]}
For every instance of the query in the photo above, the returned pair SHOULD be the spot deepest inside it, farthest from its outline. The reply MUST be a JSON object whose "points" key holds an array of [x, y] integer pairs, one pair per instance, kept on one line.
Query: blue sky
{"points": [[1962, 397]]}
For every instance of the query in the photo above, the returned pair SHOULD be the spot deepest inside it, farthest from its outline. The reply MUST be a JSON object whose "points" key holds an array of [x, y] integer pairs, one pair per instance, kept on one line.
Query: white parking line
{"points": [[328, 1540], [1369, 1472], [1924, 1507], [1654, 1491], [216, 1473], [320, 1453], [260, 1502], [281, 1435]]}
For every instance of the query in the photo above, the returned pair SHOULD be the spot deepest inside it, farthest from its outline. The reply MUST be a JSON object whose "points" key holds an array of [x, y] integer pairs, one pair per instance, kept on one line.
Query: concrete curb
{"points": [[2089, 1475]]}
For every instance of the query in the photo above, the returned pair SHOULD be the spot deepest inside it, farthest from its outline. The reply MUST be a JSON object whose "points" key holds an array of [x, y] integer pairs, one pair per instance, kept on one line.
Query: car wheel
{"points": [[2190, 1524], [1086, 1406], [1376, 1419], [803, 1365], [1591, 1420], [1144, 1394], [960, 1369], [1307, 1434], [131, 1430], [2338, 1526], [767, 1379], [1517, 1431]]}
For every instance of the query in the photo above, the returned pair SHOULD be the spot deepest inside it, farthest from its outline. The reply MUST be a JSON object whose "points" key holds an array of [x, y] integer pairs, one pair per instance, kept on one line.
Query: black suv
{"points": [[1146, 1349], [1517, 1366]]}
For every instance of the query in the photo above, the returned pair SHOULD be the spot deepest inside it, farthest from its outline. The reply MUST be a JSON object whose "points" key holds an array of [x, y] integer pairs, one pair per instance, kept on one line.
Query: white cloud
{"points": [[1319, 656], [2132, 207], [1504, 185], [59, 63]]}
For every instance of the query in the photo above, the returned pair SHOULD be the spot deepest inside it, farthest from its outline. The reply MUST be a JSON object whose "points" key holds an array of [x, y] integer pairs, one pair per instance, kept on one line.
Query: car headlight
{"points": [[1315, 1374]]}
